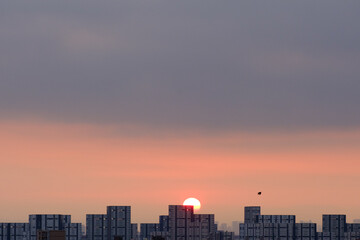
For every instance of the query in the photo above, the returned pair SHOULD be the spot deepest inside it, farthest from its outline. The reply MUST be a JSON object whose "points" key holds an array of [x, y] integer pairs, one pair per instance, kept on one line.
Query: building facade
{"points": [[185, 225], [73, 231], [203, 226], [267, 231], [334, 227], [47, 222], [180, 218], [164, 223], [96, 227], [276, 219], [147, 230], [119, 222], [14, 231], [251, 213], [134, 231], [305, 231]]}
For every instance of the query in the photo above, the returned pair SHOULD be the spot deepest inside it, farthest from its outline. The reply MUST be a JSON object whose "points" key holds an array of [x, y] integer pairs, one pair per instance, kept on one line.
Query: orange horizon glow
{"points": [[79, 169]]}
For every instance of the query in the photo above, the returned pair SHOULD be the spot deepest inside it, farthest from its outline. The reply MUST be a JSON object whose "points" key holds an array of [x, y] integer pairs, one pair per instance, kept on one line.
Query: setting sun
{"points": [[193, 202]]}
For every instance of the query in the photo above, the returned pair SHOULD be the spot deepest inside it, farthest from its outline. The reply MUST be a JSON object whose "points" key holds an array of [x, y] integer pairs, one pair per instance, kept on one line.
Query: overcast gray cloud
{"points": [[209, 64]]}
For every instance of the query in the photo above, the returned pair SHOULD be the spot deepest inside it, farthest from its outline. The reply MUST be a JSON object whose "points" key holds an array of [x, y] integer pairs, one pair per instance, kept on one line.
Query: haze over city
{"points": [[147, 103]]}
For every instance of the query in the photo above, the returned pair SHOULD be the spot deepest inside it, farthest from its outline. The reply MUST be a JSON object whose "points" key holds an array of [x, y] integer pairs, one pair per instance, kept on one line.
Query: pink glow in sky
{"points": [[79, 169]]}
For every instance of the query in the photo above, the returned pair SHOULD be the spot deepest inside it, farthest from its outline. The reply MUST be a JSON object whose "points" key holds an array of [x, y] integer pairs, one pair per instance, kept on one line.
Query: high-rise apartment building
{"points": [[14, 231], [147, 229], [164, 223], [180, 218], [134, 231], [46, 222], [115, 224], [352, 236], [185, 225], [267, 227], [96, 227], [353, 227], [251, 213], [155, 230], [266, 231], [305, 231], [334, 226], [352, 231], [73, 231], [119, 222], [203, 226]]}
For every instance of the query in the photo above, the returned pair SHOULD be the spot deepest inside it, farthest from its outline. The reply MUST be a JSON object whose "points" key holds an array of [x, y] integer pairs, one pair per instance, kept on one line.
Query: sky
{"points": [[147, 103]]}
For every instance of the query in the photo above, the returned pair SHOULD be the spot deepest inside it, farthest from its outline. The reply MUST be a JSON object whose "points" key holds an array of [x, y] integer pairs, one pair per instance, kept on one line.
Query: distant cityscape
{"points": [[181, 223]]}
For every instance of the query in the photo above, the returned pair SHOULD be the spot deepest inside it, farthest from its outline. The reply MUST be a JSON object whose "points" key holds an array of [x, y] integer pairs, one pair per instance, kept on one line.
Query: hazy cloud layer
{"points": [[189, 64]]}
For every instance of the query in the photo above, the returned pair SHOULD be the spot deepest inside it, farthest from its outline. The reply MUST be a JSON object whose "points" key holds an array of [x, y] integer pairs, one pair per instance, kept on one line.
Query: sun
{"points": [[193, 202]]}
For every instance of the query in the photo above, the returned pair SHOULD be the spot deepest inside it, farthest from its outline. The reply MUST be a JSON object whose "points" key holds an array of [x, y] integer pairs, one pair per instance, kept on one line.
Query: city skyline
{"points": [[252, 215], [149, 102], [240, 219]]}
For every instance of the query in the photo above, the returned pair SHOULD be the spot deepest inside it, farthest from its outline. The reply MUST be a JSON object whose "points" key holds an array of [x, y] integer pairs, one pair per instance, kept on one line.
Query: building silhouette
{"points": [[115, 224], [134, 231], [119, 222], [284, 227], [251, 213], [147, 230], [54, 222], [14, 231], [181, 223], [96, 227], [73, 231], [185, 225]]}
